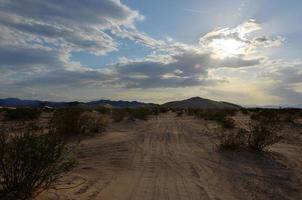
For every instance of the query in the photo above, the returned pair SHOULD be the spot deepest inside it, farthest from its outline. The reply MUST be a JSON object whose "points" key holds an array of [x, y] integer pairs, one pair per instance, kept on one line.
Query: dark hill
{"points": [[197, 102]]}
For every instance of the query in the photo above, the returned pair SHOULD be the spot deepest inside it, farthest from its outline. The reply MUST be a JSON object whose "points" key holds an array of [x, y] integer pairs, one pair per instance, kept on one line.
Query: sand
{"points": [[176, 158]]}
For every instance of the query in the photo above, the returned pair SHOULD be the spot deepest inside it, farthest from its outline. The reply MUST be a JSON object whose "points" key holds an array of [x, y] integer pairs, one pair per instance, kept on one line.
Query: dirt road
{"points": [[175, 158]]}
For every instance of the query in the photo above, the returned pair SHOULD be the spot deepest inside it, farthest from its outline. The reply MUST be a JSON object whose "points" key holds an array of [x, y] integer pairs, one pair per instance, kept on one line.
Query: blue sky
{"points": [[243, 51]]}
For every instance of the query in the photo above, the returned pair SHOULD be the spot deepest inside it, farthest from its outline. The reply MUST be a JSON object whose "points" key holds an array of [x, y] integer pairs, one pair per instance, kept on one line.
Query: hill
{"points": [[197, 102]]}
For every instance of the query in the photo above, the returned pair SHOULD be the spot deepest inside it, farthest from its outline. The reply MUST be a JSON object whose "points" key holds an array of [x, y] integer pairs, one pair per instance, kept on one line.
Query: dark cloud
{"points": [[286, 78], [186, 69], [64, 78], [23, 59], [95, 12], [70, 25]]}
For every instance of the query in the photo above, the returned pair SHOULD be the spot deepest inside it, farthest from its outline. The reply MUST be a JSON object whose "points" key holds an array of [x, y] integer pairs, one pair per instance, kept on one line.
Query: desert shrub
{"points": [[221, 116], [211, 114], [262, 137], [266, 115], [22, 114], [132, 113], [244, 111], [233, 140], [74, 122], [275, 115], [163, 109], [227, 122], [140, 113], [259, 138], [104, 110], [66, 122], [31, 163], [179, 113], [90, 123], [118, 114]]}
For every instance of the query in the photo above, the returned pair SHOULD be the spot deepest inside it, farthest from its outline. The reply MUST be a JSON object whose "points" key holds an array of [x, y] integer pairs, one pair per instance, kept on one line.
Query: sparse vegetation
{"points": [[234, 140], [227, 122], [179, 113], [275, 115], [133, 113], [31, 163], [262, 137], [66, 122], [140, 113], [118, 114], [259, 138], [73, 122], [222, 116], [22, 114]]}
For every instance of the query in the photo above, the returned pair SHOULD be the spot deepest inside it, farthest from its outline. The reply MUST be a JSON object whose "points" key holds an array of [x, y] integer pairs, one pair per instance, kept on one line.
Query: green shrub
{"points": [[30, 164], [22, 114]]}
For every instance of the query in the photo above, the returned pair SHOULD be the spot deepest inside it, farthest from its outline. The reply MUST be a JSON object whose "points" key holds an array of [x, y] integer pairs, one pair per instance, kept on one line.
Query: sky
{"points": [[242, 51]]}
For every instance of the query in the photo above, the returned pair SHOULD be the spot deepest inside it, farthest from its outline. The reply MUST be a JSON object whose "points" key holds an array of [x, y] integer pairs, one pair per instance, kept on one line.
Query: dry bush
{"points": [[266, 115], [31, 163], [76, 122], [104, 110], [132, 113], [118, 114], [140, 113], [227, 123], [179, 113], [221, 116], [233, 140], [22, 114], [285, 115], [66, 122], [259, 138], [91, 123], [262, 137]]}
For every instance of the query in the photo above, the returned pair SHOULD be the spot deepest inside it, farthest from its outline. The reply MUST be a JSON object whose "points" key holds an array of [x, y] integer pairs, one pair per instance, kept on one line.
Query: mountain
{"points": [[197, 102], [14, 102], [118, 104]]}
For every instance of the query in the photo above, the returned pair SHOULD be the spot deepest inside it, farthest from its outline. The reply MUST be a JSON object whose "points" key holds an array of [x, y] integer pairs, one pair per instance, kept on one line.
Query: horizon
{"points": [[155, 52], [299, 106]]}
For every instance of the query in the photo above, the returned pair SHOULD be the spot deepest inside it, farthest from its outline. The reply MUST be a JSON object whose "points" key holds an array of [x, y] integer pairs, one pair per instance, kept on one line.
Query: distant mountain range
{"points": [[197, 102], [14, 102], [194, 102]]}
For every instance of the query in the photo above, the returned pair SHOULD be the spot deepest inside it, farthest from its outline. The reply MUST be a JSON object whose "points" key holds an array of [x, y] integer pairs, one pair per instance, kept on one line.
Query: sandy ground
{"points": [[175, 158]]}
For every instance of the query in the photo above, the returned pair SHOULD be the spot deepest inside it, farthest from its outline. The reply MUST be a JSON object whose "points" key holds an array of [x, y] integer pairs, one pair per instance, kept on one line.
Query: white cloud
{"points": [[238, 41]]}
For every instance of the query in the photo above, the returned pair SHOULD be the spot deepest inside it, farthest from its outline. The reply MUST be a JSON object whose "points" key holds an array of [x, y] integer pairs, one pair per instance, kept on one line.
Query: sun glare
{"points": [[227, 47]]}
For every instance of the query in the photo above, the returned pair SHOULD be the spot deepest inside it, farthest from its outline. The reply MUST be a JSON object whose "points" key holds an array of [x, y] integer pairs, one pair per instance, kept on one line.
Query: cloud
{"points": [[238, 41], [24, 58], [287, 78], [66, 25], [38, 37], [185, 69]]}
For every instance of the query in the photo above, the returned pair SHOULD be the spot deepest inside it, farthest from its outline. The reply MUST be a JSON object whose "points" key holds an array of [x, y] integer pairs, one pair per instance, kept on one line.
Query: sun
{"points": [[227, 47]]}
